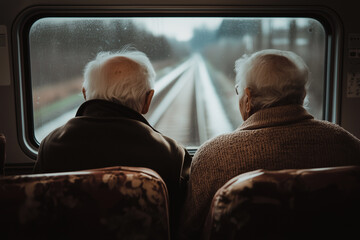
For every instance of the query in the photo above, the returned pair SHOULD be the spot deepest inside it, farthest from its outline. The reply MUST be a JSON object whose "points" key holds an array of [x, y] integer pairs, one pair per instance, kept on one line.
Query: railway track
{"points": [[191, 111]]}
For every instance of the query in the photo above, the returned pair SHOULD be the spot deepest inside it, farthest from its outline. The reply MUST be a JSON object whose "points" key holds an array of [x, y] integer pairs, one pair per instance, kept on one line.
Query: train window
{"points": [[193, 57]]}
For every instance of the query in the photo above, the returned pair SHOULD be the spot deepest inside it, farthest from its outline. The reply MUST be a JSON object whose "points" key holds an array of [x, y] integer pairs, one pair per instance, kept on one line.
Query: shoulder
{"points": [[174, 148], [71, 127], [333, 129], [326, 124], [53, 134]]}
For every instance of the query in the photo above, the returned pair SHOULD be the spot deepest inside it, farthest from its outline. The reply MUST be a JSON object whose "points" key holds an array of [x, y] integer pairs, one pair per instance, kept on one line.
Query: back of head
{"points": [[125, 77], [274, 77]]}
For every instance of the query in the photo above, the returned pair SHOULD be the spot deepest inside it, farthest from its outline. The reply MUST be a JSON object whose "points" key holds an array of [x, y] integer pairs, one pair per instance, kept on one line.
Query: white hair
{"points": [[125, 76], [274, 77]]}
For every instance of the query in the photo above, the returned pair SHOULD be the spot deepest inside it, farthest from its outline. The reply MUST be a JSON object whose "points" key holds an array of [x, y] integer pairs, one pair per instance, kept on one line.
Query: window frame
{"points": [[20, 38]]}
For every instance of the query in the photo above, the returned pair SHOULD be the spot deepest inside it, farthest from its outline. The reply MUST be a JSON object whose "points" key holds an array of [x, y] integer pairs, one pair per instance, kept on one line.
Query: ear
{"points": [[84, 92], [147, 101], [248, 100]]}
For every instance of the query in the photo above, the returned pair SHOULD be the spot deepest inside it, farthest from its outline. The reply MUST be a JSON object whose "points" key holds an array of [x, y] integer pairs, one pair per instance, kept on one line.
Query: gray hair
{"points": [[125, 76], [274, 77]]}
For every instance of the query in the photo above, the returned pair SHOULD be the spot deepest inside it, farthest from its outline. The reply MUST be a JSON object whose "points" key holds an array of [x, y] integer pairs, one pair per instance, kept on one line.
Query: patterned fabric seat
{"points": [[289, 204], [107, 203]]}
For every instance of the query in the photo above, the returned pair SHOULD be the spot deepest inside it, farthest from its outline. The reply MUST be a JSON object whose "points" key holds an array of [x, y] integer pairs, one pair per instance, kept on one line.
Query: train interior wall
{"points": [[345, 105]]}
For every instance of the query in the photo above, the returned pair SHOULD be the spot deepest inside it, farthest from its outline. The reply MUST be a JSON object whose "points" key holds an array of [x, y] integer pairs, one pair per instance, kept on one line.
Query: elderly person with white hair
{"points": [[109, 129], [277, 133]]}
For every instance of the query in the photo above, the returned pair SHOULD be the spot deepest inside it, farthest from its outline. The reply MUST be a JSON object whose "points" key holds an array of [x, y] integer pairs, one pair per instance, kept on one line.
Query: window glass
{"points": [[194, 59]]}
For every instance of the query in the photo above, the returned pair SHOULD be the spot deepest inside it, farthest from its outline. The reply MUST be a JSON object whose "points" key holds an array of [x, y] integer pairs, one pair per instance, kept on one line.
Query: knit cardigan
{"points": [[284, 137]]}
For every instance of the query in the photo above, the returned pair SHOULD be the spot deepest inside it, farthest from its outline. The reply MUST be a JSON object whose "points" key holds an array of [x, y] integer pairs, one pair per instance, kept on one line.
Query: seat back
{"points": [[287, 204], [108, 203], [2, 153]]}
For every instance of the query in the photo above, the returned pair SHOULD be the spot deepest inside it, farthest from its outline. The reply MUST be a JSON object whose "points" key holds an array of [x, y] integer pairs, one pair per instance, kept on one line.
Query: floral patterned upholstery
{"points": [[107, 203], [287, 204]]}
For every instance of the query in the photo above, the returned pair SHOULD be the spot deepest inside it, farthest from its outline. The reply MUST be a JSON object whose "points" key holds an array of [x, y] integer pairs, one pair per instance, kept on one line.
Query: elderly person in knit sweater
{"points": [[277, 133]]}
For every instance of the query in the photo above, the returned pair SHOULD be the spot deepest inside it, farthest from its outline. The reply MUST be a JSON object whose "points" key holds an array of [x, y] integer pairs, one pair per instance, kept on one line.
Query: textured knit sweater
{"points": [[284, 137]]}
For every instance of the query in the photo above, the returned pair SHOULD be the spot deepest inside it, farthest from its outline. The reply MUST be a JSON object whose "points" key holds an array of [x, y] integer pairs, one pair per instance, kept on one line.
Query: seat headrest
{"points": [[101, 203], [278, 204]]}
